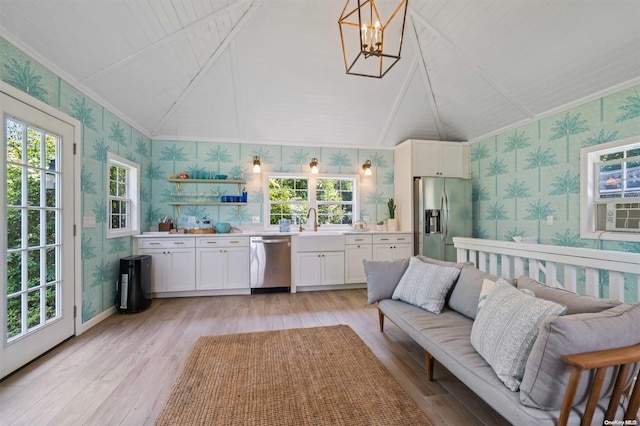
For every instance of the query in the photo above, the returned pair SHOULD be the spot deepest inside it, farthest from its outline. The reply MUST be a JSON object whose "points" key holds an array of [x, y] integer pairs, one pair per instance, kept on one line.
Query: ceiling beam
{"points": [[207, 65], [442, 134], [161, 42], [472, 65]]}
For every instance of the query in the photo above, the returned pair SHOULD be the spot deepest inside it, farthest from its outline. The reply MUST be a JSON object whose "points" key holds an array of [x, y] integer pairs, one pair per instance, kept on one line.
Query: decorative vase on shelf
{"points": [[392, 224]]}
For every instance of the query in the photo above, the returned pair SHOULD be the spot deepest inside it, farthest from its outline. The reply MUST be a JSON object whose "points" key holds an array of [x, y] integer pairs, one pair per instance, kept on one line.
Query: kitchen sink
{"points": [[319, 241]]}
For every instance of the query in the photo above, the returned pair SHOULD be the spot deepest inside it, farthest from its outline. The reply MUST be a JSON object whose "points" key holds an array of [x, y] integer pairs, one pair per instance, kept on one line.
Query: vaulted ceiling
{"points": [[272, 71]]}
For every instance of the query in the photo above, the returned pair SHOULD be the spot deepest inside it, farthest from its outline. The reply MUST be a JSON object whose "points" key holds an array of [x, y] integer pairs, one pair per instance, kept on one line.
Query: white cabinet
{"points": [[222, 263], [357, 249], [392, 246], [320, 268], [172, 264], [444, 159]]}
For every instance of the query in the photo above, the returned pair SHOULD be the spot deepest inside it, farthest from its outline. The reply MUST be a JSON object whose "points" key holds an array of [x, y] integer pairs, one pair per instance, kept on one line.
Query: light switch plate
{"points": [[256, 219], [550, 220], [88, 221]]}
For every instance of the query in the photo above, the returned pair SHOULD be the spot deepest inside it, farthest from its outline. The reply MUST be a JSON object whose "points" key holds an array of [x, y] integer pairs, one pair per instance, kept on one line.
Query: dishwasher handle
{"points": [[270, 241]]}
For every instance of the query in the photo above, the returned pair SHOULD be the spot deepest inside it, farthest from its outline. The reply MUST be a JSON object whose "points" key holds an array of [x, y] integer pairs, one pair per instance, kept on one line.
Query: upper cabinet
{"points": [[435, 158], [414, 158]]}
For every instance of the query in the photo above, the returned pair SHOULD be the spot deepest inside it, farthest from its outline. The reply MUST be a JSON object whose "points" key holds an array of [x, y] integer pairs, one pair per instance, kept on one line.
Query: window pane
{"points": [[113, 188], [33, 302], [14, 315], [113, 173], [33, 269], [609, 178], [122, 190], [335, 214], [123, 221], [33, 227], [15, 132], [51, 226], [115, 206], [51, 303], [33, 187], [34, 138], [14, 273], [14, 228], [51, 264], [14, 185]]}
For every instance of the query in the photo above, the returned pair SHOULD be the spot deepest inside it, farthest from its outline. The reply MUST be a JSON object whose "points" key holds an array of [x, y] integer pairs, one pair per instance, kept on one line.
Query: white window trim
{"points": [[312, 202], [133, 190], [589, 157]]}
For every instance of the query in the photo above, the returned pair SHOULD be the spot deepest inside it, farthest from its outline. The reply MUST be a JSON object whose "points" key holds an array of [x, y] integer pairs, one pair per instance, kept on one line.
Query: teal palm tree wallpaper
{"points": [[522, 176], [236, 161], [102, 131]]}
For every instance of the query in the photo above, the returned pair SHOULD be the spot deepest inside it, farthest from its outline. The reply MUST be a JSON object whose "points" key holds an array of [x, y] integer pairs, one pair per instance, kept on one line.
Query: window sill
{"points": [[120, 234]]}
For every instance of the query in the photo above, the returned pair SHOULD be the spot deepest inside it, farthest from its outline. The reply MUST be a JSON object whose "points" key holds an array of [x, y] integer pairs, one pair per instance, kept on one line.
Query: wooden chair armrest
{"points": [[600, 361]]}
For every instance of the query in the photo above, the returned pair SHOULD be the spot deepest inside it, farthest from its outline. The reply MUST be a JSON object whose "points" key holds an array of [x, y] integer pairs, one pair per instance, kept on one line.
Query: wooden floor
{"points": [[121, 371]]}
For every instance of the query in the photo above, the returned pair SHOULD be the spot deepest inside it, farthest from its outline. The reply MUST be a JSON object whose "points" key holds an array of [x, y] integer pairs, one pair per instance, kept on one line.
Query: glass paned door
{"points": [[37, 265]]}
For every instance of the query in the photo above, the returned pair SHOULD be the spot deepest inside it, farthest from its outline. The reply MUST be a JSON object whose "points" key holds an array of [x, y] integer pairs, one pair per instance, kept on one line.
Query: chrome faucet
{"points": [[315, 218]]}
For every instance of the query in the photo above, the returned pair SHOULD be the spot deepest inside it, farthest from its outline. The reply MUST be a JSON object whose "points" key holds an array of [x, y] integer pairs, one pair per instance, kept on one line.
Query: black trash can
{"points": [[134, 286]]}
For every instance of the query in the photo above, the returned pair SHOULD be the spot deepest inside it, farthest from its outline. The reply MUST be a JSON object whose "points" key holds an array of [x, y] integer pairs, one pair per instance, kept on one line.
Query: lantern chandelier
{"points": [[371, 45]]}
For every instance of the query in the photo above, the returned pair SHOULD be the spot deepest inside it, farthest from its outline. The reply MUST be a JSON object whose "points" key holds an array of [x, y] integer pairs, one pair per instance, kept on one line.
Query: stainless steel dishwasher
{"points": [[270, 264]]}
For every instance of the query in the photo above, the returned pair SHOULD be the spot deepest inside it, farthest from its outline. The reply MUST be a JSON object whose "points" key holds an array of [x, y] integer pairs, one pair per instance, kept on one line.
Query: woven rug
{"points": [[303, 376]]}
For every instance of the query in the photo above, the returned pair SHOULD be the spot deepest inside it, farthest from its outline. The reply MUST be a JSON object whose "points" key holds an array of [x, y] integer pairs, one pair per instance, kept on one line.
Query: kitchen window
{"points": [[291, 197], [123, 187], [610, 187]]}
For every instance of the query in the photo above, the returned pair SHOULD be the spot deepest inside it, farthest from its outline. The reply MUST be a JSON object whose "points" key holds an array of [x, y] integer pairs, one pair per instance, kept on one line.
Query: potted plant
{"points": [[392, 223], [380, 225]]}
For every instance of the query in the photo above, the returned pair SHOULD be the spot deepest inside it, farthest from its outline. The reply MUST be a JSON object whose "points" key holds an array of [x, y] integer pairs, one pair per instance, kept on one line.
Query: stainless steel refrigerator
{"points": [[442, 210]]}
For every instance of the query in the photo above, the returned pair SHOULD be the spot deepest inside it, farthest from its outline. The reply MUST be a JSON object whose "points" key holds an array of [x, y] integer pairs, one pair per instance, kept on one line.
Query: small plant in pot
{"points": [[392, 223], [380, 225]]}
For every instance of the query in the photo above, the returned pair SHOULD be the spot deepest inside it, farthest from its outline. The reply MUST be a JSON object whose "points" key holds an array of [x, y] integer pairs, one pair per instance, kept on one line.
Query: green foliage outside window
{"points": [[289, 198], [32, 253]]}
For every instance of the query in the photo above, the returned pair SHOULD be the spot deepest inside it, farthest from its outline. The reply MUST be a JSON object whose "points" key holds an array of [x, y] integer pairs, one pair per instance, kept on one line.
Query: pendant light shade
{"points": [[256, 164], [367, 168], [371, 35]]}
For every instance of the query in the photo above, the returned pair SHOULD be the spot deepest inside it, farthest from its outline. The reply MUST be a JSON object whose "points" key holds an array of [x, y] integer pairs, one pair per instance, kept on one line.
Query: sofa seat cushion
{"points": [[426, 285], [575, 303], [506, 327], [546, 375]]}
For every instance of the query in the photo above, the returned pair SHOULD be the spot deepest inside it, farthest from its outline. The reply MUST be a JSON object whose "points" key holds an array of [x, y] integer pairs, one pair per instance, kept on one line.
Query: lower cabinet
{"points": [[320, 268], [173, 264], [191, 264], [392, 246], [357, 249], [222, 268]]}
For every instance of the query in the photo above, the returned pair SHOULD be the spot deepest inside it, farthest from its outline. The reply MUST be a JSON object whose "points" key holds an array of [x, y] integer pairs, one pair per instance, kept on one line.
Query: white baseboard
{"points": [[95, 320]]}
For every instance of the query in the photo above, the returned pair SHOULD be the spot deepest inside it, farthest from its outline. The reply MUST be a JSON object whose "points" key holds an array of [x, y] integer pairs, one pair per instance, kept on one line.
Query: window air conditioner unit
{"points": [[623, 217]]}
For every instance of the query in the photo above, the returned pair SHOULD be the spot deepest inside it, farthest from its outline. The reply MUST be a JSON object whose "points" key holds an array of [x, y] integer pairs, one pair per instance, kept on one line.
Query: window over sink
{"points": [[290, 196]]}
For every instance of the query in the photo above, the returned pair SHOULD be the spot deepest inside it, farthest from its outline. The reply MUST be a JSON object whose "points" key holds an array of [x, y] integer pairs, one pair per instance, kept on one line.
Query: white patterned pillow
{"points": [[506, 327], [426, 285]]}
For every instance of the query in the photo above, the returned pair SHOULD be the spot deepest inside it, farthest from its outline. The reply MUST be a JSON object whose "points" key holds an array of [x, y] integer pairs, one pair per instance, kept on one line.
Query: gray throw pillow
{"points": [[466, 293], [575, 303], [426, 285], [506, 327], [383, 277], [546, 375], [439, 262]]}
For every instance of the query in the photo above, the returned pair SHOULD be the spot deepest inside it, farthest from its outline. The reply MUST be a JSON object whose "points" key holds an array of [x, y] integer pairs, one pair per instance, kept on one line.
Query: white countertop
{"points": [[250, 233]]}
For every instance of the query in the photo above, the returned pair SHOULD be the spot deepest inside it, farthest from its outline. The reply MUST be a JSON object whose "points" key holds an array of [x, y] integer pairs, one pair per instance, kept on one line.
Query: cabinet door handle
{"points": [[178, 243], [384, 239], [234, 242], [400, 239], [212, 242], [359, 239], [154, 244]]}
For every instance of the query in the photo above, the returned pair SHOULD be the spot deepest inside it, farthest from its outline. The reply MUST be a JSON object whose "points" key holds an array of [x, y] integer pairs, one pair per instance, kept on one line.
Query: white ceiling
{"points": [[271, 71]]}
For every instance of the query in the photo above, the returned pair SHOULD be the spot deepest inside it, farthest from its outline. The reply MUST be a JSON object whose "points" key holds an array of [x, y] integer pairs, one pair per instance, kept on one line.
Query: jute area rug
{"points": [[304, 376]]}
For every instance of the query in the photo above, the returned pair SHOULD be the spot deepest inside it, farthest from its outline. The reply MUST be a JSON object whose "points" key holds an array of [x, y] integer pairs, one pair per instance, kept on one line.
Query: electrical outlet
{"points": [[256, 219], [550, 220]]}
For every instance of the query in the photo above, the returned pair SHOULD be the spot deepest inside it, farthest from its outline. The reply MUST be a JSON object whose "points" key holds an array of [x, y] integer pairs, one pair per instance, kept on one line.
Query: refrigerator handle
{"points": [[445, 215]]}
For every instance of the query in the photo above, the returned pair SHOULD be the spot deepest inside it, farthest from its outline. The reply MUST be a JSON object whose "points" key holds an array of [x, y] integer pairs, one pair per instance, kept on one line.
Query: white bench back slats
{"points": [[556, 266]]}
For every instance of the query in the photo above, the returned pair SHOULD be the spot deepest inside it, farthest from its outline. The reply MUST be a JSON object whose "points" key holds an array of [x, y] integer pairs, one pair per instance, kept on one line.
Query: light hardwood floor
{"points": [[121, 371]]}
